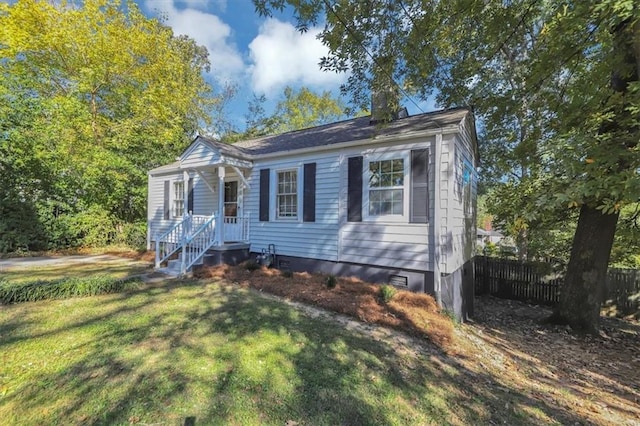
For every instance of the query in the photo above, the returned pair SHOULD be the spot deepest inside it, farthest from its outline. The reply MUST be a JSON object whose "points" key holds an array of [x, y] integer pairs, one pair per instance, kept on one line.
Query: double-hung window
{"points": [[386, 189], [178, 198], [287, 194]]}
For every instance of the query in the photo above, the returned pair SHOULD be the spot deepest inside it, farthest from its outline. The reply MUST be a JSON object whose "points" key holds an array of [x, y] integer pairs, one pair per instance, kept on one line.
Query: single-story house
{"points": [[389, 202], [488, 236]]}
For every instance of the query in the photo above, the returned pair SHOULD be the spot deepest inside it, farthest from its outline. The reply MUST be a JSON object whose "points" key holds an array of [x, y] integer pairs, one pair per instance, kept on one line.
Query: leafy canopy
{"points": [[92, 95]]}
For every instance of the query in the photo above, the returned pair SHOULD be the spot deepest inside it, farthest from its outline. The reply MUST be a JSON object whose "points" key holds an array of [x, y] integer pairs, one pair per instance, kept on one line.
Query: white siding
{"points": [[330, 237], [155, 213], [397, 244], [458, 232], [204, 201], [317, 240], [199, 155]]}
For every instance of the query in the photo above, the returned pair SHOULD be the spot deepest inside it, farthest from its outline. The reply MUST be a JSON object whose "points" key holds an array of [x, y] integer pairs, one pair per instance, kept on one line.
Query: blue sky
{"points": [[259, 55]]}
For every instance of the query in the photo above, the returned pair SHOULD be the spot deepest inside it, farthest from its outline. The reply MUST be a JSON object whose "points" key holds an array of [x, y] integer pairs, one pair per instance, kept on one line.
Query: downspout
{"points": [[437, 219]]}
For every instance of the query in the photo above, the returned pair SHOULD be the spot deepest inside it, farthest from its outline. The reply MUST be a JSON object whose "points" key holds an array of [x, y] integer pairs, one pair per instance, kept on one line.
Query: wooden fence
{"points": [[540, 283]]}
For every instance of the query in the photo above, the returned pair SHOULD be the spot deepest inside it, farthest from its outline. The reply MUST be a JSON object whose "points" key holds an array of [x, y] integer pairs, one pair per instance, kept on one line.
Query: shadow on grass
{"points": [[182, 350]]}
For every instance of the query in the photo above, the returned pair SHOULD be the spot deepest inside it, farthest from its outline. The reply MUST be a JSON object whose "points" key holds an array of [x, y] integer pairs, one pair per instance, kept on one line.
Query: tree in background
{"points": [[297, 109], [554, 83], [92, 95]]}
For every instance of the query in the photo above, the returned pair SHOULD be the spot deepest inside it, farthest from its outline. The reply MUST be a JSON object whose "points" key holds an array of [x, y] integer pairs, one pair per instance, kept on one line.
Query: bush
{"points": [[32, 291], [251, 265], [287, 273], [387, 292], [133, 235], [331, 281]]}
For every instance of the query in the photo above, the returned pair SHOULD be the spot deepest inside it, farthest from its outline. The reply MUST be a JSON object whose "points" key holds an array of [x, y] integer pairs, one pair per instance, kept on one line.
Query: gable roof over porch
{"points": [[206, 153]]}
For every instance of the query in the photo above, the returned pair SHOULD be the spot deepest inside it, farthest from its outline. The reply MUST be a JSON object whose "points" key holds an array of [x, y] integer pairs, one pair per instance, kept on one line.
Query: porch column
{"points": [[185, 190], [220, 215]]}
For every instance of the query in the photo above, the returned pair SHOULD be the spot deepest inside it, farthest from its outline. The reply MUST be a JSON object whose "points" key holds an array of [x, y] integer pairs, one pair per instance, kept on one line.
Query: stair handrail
{"points": [[197, 244], [176, 236]]}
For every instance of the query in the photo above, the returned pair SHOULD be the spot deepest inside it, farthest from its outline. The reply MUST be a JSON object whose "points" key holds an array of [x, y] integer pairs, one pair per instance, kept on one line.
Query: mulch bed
{"points": [[417, 314]]}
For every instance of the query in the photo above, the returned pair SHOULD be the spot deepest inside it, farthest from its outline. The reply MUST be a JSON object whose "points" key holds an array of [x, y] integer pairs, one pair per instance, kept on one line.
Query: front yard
{"points": [[219, 353]]}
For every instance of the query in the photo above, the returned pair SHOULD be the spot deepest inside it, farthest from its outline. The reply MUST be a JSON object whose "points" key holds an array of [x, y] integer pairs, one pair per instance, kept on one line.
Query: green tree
{"points": [[297, 109], [555, 85], [104, 94]]}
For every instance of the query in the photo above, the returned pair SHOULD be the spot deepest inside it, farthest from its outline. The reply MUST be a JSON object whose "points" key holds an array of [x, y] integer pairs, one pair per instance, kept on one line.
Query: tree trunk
{"points": [[583, 289]]}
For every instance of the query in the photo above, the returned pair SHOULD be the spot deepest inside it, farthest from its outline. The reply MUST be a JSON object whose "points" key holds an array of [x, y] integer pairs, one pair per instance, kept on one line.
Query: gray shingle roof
{"points": [[343, 131], [349, 130]]}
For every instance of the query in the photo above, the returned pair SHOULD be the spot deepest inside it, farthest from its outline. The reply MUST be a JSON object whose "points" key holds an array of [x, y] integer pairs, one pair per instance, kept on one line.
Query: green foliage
{"points": [[286, 273], [32, 291], [555, 132], [387, 292], [132, 234], [251, 265], [490, 249], [332, 281], [92, 95], [296, 110]]}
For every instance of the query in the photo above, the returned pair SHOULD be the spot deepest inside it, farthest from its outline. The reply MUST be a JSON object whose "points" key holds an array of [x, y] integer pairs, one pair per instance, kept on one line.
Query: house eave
{"points": [[368, 141]]}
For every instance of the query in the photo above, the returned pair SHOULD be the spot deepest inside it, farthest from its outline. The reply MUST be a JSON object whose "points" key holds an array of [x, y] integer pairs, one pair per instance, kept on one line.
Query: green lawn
{"points": [[220, 354]]}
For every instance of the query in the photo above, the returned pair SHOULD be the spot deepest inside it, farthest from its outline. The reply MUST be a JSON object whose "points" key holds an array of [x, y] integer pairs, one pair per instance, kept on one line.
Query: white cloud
{"points": [[281, 55], [207, 30]]}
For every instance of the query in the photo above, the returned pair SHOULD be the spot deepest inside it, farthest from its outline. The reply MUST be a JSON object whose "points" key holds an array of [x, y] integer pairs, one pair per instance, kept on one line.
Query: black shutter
{"points": [[309, 194], [419, 186], [167, 206], [190, 196], [354, 196], [264, 195]]}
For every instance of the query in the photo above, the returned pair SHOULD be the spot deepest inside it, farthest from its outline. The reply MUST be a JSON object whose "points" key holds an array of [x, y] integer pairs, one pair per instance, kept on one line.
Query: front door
{"points": [[232, 224]]}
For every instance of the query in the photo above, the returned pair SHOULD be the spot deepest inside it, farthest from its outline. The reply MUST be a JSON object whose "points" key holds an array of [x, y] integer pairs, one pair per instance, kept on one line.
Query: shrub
{"points": [[331, 281], [251, 265], [32, 291], [387, 292], [287, 273], [133, 235]]}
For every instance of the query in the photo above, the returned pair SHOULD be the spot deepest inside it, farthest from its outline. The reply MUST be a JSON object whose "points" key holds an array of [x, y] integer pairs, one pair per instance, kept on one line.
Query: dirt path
{"points": [[30, 262]]}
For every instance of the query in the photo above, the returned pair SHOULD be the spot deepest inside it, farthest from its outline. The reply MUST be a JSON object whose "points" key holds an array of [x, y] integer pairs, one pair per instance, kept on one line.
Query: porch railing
{"points": [[196, 245], [172, 240], [195, 235], [236, 228]]}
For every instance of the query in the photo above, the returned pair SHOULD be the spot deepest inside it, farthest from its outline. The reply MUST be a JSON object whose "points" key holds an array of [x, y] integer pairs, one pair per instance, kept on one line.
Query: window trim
{"points": [[299, 194], [406, 187], [175, 199]]}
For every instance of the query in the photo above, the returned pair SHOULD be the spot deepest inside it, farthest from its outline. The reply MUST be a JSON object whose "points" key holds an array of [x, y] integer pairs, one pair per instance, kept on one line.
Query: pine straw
{"points": [[417, 314]]}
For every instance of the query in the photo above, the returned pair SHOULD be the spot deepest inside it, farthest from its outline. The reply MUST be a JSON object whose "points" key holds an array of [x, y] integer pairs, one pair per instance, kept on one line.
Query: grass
{"points": [[415, 313], [63, 288], [222, 353], [218, 353]]}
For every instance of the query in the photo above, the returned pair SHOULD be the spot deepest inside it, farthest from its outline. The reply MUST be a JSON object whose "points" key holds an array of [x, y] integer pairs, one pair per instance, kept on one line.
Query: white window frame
{"points": [[298, 194], [406, 186], [177, 197]]}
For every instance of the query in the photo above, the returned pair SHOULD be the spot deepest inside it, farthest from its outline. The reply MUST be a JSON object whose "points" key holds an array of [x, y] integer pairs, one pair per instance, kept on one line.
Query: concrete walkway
{"points": [[28, 262]]}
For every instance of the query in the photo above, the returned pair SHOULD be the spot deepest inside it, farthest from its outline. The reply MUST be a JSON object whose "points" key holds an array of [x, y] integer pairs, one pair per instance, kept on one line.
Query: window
{"points": [[386, 187], [287, 194], [178, 199]]}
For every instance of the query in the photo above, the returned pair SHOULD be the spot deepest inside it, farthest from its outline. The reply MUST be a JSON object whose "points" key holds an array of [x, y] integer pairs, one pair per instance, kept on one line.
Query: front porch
{"points": [[203, 205], [196, 237]]}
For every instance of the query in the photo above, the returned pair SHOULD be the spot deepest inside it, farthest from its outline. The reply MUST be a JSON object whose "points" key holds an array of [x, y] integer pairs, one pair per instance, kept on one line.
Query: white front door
{"points": [[232, 225]]}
